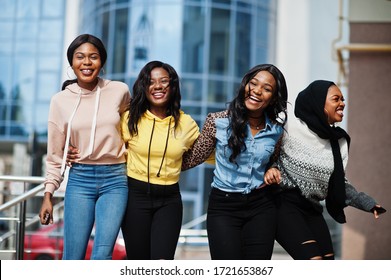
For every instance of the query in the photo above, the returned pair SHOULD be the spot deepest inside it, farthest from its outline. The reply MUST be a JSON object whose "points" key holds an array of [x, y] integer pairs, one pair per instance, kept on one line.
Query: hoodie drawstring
{"points": [[149, 152], [93, 126], [165, 149], [93, 129], [149, 156], [64, 157]]}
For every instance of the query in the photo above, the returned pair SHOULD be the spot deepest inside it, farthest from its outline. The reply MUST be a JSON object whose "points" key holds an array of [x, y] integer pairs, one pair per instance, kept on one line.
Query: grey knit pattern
{"points": [[305, 167], [306, 162]]}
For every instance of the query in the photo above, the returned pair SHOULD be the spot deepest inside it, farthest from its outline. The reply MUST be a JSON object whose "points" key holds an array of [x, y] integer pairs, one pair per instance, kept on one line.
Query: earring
{"points": [[103, 71], [69, 76]]}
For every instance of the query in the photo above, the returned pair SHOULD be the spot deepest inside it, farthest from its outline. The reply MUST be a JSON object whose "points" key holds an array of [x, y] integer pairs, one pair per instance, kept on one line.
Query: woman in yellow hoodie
{"points": [[159, 134]]}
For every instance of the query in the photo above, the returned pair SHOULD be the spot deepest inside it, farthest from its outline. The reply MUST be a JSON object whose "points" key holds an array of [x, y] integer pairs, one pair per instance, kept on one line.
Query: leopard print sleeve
{"points": [[203, 147]]}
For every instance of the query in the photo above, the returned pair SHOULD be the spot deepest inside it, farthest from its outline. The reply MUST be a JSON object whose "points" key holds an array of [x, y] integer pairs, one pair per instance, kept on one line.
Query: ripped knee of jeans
{"points": [[313, 250]]}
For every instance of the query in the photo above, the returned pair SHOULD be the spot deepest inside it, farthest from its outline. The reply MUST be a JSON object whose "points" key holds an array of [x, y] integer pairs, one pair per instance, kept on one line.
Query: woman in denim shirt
{"points": [[241, 218]]}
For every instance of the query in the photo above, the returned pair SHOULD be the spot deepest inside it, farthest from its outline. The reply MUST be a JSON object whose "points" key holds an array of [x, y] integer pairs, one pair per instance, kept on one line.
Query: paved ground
{"points": [[202, 253]]}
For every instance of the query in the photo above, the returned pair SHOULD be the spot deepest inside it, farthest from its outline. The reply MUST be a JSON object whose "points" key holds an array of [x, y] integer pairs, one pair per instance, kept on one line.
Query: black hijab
{"points": [[309, 107]]}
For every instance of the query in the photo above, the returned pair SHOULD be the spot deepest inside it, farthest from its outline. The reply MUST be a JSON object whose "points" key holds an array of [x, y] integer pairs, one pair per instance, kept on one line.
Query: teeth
{"points": [[254, 98], [86, 71], [158, 94]]}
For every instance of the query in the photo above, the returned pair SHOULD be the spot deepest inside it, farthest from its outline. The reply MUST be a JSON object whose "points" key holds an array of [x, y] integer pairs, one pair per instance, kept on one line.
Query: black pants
{"points": [[241, 226], [152, 221], [299, 222]]}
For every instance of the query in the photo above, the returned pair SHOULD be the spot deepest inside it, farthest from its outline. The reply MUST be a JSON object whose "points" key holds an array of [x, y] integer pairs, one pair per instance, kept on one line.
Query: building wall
{"points": [[368, 125]]}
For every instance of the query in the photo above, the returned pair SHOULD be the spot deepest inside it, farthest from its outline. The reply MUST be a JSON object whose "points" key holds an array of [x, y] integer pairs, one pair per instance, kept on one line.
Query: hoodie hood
{"points": [[74, 88]]}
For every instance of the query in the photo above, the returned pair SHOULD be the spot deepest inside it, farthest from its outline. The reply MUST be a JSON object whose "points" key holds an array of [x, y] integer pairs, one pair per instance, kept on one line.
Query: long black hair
{"points": [[238, 113], [140, 103], [77, 42]]}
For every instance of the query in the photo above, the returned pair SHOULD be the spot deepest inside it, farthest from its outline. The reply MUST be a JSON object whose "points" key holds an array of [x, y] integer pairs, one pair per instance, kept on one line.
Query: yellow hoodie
{"points": [[149, 146]]}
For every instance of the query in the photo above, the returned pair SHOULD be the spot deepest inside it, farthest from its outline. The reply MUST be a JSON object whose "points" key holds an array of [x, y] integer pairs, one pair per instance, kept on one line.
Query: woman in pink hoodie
{"points": [[86, 114]]}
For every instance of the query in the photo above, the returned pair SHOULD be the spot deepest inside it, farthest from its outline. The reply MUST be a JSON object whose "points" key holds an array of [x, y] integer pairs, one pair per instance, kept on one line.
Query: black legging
{"points": [[241, 226], [152, 221], [301, 229]]}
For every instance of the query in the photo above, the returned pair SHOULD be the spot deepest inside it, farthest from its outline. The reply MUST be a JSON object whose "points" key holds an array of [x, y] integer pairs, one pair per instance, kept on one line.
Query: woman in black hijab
{"points": [[310, 167]]}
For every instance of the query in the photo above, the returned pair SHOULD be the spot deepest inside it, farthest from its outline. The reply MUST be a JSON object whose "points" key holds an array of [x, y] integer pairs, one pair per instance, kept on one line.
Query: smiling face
{"points": [[259, 93], [86, 63], [334, 105], [158, 93]]}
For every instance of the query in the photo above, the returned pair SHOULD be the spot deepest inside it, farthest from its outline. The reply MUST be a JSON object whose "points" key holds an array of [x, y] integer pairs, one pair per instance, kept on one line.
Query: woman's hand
{"points": [[73, 155], [272, 176], [378, 210], [46, 212]]}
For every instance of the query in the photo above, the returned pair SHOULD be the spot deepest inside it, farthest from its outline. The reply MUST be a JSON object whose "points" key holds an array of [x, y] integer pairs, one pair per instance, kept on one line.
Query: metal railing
{"points": [[188, 235], [21, 201]]}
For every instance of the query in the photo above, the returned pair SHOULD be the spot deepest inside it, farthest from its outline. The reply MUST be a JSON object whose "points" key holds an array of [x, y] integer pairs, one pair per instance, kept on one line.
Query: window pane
{"points": [[121, 40], [5, 74], [167, 33], [7, 31], [24, 71], [242, 44], [48, 85], [218, 92], [219, 41], [189, 179], [25, 47], [26, 29], [28, 9], [262, 35], [193, 40], [191, 110], [53, 8], [7, 9], [191, 89], [41, 112], [49, 61], [50, 30]]}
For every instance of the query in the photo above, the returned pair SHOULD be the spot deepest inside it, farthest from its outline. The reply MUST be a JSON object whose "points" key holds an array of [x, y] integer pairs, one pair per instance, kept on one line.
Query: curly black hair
{"points": [[140, 104], [238, 113]]}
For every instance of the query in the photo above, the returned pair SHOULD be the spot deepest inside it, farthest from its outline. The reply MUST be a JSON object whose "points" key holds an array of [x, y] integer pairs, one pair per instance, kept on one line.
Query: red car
{"points": [[47, 244]]}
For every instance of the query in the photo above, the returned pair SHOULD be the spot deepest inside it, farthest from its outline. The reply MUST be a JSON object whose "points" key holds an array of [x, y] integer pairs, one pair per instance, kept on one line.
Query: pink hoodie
{"points": [[95, 127]]}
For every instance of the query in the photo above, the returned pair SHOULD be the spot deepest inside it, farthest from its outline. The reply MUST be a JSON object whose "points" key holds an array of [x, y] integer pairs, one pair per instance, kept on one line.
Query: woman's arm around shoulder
{"points": [[203, 146]]}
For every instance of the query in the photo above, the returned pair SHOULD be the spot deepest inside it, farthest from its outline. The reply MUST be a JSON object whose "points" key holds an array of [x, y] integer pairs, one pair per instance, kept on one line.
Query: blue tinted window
{"points": [[53, 8], [28, 9], [7, 9]]}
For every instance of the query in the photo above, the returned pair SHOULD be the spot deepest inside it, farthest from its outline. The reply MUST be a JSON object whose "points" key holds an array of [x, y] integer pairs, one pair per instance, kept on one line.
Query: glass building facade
{"points": [[31, 51], [211, 44]]}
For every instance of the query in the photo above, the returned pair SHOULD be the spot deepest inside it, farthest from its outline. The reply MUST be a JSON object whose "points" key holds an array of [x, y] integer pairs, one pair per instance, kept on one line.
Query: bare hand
{"points": [[73, 155], [378, 210], [46, 212], [272, 176]]}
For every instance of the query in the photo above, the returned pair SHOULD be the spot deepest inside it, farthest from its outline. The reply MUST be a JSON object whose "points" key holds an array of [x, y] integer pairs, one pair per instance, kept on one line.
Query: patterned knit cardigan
{"points": [[306, 162]]}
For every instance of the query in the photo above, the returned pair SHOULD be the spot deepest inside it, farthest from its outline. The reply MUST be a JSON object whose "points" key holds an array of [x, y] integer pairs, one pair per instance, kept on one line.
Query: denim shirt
{"points": [[212, 143], [248, 173]]}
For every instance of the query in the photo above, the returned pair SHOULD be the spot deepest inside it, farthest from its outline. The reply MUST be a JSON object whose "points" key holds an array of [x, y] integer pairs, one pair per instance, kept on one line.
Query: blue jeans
{"points": [[94, 194]]}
